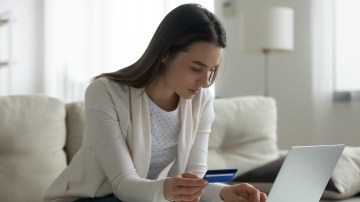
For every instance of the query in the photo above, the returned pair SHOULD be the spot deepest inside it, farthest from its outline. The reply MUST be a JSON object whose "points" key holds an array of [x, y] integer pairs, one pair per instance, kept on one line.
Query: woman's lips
{"points": [[194, 91]]}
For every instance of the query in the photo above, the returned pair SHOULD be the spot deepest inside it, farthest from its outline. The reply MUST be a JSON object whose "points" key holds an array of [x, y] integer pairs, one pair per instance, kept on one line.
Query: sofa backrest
{"points": [[75, 122], [32, 137], [244, 133], [39, 135]]}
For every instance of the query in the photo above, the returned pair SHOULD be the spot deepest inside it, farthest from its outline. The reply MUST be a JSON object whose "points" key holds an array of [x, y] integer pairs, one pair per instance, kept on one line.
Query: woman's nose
{"points": [[204, 80]]}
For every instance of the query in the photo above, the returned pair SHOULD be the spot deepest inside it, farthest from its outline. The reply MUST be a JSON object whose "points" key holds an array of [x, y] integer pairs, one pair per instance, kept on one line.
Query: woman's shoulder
{"points": [[208, 93], [105, 87], [203, 100], [108, 84], [104, 81], [204, 96]]}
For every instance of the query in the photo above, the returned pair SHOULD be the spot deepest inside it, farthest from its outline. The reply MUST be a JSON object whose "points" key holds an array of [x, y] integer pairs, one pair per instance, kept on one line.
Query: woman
{"points": [[153, 114]]}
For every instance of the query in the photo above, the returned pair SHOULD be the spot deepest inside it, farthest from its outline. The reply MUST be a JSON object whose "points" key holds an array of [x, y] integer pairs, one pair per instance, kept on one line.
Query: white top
{"points": [[165, 128], [116, 150]]}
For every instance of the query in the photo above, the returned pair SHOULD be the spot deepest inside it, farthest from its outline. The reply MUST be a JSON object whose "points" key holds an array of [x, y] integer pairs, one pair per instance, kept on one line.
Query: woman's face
{"points": [[189, 71]]}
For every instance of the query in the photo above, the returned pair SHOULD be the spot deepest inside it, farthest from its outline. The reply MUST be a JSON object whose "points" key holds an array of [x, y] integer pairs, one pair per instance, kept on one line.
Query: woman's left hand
{"points": [[242, 193]]}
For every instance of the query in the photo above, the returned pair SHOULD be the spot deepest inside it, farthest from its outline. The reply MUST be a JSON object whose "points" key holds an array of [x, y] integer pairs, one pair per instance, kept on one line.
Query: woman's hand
{"points": [[185, 187], [242, 193]]}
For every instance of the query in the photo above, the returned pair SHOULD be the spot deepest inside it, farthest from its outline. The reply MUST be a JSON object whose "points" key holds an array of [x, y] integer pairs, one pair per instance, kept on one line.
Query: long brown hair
{"points": [[184, 25]]}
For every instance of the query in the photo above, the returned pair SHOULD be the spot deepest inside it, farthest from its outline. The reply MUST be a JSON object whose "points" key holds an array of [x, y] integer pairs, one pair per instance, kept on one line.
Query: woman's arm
{"points": [[107, 142], [197, 162], [204, 112]]}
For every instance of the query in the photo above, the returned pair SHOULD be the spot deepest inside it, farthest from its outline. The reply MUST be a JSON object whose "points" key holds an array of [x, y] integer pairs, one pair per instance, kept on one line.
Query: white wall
{"points": [[26, 50], [291, 81]]}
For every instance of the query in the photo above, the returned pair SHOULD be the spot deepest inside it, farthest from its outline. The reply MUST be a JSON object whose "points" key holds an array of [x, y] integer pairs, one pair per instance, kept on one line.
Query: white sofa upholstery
{"points": [[244, 133], [39, 135], [32, 137]]}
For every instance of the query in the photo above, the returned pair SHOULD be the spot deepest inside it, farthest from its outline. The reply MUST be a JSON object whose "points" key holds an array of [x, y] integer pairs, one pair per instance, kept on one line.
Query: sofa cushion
{"points": [[32, 138], [243, 134], [75, 121]]}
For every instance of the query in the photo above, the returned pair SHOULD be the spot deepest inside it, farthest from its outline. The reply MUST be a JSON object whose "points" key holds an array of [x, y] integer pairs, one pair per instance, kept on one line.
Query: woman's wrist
{"points": [[165, 189], [223, 192]]}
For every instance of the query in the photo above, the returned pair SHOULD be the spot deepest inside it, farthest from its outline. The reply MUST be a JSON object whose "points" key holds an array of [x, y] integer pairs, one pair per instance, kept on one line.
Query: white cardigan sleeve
{"points": [[204, 114], [197, 162], [108, 145]]}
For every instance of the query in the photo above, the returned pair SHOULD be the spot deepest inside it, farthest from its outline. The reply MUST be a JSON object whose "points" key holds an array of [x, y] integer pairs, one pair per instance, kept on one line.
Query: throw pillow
{"points": [[243, 134], [32, 138], [344, 182], [346, 175]]}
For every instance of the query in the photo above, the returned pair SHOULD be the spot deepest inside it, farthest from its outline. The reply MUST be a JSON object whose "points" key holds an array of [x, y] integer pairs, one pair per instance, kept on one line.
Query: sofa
{"points": [[39, 135]]}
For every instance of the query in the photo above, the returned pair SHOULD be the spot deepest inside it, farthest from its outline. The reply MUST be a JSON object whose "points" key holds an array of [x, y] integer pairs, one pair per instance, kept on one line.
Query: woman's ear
{"points": [[165, 60]]}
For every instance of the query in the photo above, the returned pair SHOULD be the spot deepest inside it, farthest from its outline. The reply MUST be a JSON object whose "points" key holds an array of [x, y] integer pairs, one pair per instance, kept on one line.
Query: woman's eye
{"points": [[196, 69]]}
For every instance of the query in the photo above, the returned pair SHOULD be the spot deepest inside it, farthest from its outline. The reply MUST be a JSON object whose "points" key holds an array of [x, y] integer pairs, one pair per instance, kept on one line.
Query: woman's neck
{"points": [[166, 99]]}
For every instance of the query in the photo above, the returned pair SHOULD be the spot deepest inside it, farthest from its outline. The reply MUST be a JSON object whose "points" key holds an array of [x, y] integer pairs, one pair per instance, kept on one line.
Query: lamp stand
{"points": [[266, 53]]}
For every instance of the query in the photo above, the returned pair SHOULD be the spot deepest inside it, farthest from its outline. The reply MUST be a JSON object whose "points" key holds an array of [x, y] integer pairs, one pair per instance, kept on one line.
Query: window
{"points": [[84, 38], [347, 44]]}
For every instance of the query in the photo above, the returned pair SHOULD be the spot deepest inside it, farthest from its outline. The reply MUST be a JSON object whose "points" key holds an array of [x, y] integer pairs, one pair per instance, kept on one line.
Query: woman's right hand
{"points": [[185, 187]]}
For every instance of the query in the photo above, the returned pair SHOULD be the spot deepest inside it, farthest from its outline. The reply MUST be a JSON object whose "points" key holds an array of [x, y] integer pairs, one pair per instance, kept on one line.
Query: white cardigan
{"points": [[116, 149]]}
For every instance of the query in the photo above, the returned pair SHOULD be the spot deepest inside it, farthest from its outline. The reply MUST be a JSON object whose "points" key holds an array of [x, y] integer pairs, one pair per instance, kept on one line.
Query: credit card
{"points": [[220, 175]]}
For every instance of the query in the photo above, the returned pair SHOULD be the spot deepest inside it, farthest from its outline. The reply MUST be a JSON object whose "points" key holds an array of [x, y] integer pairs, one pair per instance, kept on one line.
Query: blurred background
{"points": [[54, 47]]}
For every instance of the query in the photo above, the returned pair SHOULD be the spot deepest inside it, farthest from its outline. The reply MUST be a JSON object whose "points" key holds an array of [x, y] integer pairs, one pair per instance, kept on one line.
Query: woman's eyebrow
{"points": [[202, 64], [199, 63]]}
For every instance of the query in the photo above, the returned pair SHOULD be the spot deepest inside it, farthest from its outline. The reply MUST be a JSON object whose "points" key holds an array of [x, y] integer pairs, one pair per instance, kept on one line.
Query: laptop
{"points": [[305, 173]]}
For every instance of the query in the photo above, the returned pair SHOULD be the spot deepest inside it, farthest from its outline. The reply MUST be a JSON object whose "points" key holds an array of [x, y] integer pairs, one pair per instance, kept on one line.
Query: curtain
{"points": [[84, 38]]}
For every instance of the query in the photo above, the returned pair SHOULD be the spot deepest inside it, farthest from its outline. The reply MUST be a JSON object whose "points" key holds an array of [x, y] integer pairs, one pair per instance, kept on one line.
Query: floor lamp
{"points": [[268, 30]]}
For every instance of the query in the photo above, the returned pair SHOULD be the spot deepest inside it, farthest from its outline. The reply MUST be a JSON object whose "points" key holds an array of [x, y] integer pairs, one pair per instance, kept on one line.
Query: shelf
{"points": [[3, 63], [3, 21]]}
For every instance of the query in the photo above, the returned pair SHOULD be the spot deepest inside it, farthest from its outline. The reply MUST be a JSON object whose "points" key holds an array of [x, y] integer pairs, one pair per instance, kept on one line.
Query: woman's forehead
{"points": [[203, 53]]}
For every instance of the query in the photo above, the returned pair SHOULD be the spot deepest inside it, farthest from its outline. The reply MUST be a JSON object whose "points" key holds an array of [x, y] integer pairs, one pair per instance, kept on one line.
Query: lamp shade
{"points": [[269, 29]]}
